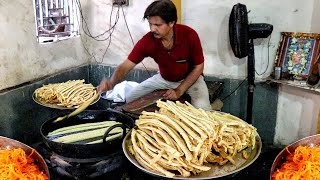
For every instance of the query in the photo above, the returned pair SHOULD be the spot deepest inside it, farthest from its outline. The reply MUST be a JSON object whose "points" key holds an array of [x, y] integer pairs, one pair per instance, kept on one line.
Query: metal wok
{"points": [[86, 150]]}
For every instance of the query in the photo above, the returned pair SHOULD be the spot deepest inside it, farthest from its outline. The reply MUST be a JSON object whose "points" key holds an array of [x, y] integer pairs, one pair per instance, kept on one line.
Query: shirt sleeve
{"points": [[138, 53], [197, 52]]}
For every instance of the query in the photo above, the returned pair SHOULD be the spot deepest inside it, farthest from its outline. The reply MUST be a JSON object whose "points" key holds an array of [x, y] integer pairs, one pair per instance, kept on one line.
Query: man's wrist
{"points": [[179, 92]]}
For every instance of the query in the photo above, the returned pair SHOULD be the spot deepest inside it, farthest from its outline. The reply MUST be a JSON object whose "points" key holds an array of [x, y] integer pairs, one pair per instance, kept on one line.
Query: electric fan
{"points": [[241, 40]]}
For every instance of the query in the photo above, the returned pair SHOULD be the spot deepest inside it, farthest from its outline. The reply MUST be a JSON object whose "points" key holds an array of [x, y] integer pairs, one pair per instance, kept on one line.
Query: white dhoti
{"points": [[198, 91]]}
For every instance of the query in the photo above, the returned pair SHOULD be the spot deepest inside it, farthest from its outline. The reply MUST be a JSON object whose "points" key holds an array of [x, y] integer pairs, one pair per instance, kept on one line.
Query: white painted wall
{"points": [[297, 114], [22, 59], [121, 43]]}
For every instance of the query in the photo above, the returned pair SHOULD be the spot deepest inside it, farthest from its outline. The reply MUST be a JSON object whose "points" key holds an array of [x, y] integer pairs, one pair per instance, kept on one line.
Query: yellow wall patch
{"points": [[177, 3]]}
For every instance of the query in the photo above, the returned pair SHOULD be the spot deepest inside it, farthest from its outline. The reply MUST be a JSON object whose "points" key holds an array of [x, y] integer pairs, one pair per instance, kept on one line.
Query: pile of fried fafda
{"points": [[72, 93], [179, 139]]}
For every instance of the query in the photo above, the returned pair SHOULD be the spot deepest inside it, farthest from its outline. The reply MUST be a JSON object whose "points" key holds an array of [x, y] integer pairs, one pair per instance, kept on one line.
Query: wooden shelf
{"points": [[297, 84]]}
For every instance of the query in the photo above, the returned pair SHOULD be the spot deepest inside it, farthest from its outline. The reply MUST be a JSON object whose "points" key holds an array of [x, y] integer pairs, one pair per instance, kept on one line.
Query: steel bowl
{"points": [[310, 141], [8, 143]]}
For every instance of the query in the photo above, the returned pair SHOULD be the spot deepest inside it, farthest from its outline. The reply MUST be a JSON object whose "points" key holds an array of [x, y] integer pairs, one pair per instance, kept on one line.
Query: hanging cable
{"points": [[110, 35], [99, 36], [86, 28], [91, 55], [268, 60], [234, 90], [125, 20]]}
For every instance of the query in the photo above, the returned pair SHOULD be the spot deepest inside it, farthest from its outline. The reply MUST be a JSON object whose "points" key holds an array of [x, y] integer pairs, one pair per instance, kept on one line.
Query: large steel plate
{"points": [[216, 171]]}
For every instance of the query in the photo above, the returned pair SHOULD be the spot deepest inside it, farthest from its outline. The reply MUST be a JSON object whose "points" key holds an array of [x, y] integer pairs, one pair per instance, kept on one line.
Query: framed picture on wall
{"points": [[296, 54]]}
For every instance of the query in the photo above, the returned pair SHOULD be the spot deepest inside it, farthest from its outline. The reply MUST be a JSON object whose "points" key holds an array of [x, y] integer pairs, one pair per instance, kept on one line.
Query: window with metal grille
{"points": [[56, 20]]}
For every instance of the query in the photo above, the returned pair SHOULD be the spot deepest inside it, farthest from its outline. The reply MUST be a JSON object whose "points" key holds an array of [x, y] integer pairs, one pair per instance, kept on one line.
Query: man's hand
{"points": [[172, 94], [104, 85]]}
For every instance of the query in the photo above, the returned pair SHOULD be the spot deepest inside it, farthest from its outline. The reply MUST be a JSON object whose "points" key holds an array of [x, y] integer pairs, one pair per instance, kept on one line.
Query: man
{"points": [[176, 49]]}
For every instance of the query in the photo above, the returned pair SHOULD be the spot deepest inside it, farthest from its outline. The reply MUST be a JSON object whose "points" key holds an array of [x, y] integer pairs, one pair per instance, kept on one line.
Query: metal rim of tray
{"points": [[55, 106], [203, 175]]}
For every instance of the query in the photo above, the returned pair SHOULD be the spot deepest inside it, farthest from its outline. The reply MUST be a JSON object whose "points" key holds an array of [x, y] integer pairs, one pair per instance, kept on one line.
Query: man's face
{"points": [[159, 27]]}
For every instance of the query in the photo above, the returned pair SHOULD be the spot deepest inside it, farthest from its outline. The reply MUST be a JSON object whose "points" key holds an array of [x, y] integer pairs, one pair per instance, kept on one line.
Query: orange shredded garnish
{"points": [[303, 164], [16, 165]]}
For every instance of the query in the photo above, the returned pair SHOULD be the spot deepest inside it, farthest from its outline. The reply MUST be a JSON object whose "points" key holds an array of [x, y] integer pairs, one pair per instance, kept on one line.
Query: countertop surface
{"points": [[260, 169]]}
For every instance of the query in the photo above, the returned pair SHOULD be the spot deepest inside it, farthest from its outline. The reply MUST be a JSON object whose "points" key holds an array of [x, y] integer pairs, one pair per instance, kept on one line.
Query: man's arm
{"points": [[119, 74], [186, 83]]}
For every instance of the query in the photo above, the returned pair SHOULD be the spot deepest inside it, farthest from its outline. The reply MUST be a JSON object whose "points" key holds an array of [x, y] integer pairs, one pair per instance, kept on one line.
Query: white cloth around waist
{"points": [[120, 91]]}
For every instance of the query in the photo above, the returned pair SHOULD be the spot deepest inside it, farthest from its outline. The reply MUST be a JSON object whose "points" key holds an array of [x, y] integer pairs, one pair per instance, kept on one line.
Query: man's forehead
{"points": [[155, 20]]}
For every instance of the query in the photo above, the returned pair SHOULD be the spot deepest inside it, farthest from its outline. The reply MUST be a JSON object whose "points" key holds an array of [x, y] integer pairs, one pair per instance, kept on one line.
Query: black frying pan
{"points": [[86, 150]]}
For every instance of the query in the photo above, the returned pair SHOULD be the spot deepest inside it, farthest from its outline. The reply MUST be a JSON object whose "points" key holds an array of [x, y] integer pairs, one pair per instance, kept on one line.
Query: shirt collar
{"points": [[177, 36]]}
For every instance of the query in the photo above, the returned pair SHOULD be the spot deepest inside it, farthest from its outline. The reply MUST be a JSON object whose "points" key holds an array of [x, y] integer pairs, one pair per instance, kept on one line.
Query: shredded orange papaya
{"points": [[16, 165], [302, 164]]}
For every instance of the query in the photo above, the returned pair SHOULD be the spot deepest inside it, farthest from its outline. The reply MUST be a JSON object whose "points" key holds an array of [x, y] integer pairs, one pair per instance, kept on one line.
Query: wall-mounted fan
{"points": [[241, 40]]}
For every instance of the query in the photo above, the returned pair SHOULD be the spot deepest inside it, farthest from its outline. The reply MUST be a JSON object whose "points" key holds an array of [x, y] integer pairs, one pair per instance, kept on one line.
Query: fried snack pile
{"points": [[68, 94], [179, 139]]}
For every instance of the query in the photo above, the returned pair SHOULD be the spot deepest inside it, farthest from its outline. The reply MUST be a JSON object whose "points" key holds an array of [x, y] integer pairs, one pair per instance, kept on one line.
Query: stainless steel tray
{"points": [[55, 106], [216, 171]]}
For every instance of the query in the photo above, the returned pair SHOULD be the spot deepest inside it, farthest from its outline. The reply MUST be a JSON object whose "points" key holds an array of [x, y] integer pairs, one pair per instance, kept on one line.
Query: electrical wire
{"points": [[86, 31], [99, 37], [255, 72], [268, 60], [91, 55], [125, 20], [234, 90], [110, 35], [85, 26]]}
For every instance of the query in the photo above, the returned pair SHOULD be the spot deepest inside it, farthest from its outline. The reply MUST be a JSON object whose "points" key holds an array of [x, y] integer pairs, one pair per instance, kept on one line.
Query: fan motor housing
{"points": [[260, 30], [240, 31]]}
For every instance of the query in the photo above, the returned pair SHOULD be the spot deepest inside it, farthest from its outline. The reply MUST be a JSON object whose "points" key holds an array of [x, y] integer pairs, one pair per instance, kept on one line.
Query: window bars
{"points": [[56, 20]]}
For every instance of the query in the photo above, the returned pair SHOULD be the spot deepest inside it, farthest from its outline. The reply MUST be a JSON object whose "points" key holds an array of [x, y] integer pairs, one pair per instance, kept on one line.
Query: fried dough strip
{"points": [[148, 138], [178, 139], [184, 126], [172, 123], [156, 157], [78, 90], [146, 157], [204, 128], [144, 163], [201, 115], [146, 144], [168, 141], [162, 104]]}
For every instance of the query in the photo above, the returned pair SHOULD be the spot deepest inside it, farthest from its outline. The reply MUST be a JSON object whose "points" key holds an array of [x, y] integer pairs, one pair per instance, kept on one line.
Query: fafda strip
{"points": [[179, 139], [69, 94]]}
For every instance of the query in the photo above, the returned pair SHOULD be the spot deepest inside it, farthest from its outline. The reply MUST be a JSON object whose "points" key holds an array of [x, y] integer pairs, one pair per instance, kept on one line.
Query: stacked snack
{"points": [[72, 93], [179, 139]]}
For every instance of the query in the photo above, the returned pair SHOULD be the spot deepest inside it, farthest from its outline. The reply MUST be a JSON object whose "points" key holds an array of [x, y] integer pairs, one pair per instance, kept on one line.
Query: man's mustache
{"points": [[155, 34]]}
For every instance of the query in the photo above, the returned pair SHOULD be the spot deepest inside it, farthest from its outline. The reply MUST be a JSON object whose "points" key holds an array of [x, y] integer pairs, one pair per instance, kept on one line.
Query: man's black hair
{"points": [[163, 8]]}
